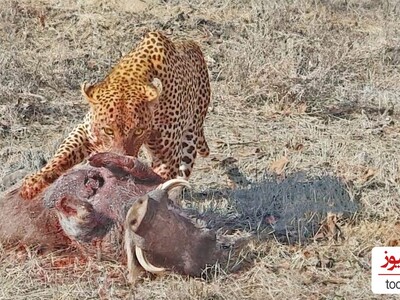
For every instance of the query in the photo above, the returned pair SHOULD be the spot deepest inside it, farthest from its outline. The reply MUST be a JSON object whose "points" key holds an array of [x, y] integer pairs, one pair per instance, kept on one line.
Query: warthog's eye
{"points": [[133, 222], [138, 131], [108, 131], [226, 246]]}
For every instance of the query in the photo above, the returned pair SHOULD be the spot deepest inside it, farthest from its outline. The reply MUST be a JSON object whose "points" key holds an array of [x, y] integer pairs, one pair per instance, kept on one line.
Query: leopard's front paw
{"points": [[32, 186]]}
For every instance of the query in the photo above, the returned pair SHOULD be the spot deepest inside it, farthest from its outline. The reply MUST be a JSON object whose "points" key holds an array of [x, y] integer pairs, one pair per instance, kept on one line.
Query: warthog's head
{"points": [[159, 237]]}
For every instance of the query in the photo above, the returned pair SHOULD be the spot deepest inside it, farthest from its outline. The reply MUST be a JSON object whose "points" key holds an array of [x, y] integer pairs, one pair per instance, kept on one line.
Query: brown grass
{"points": [[316, 81]]}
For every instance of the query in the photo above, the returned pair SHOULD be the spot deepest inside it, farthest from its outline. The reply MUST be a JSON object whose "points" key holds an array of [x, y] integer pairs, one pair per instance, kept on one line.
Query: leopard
{"points": [[154, 99]]}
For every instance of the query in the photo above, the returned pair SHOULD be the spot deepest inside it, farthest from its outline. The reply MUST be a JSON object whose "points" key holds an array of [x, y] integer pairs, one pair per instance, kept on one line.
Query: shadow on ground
{"points": [[289, 210]]}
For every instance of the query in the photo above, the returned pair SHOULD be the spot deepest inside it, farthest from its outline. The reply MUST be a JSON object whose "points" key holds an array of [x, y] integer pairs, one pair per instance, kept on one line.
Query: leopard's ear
{"points": [[153, 90], [87, 92]]}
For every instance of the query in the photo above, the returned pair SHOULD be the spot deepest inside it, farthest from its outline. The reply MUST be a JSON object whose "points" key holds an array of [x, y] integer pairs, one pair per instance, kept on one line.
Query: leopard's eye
{"points": [[138, 131], [108, 131]]}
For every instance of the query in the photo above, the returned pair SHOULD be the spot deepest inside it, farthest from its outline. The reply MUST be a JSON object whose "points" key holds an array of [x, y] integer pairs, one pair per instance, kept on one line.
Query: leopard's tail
{"points": [[202, 146]]}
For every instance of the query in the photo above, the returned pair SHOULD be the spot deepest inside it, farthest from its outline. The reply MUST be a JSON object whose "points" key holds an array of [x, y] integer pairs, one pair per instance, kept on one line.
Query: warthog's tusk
{"points": [[173, 183], [145, 264]]}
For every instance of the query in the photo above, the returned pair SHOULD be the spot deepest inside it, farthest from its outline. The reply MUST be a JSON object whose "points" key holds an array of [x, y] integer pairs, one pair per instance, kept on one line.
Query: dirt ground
{"points": [[300, 86]]}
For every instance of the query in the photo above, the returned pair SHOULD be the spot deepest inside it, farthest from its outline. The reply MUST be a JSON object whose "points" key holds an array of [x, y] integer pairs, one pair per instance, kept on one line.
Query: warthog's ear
{"points": [[136, 213]]}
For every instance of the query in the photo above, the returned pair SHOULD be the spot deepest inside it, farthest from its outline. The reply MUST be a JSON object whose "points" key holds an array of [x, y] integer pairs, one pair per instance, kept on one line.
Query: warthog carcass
{"points": [[101, 204]]}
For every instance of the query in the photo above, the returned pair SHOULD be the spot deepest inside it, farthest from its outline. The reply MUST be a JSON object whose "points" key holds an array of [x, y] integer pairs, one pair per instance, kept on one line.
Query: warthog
{"points": [[101, 204]]}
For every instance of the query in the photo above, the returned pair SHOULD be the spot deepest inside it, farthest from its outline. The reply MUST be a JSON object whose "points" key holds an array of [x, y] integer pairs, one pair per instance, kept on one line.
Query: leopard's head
{"points": [[121, 115]]}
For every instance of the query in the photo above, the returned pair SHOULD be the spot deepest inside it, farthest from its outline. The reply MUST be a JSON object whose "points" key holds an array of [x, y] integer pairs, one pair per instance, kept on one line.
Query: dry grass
{"points": [[316, 81]]}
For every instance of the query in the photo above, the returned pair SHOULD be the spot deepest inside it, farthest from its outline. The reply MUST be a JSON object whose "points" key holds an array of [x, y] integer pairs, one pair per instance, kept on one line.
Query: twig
{"points": [[33, 95]]}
